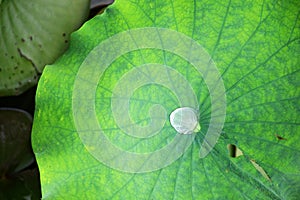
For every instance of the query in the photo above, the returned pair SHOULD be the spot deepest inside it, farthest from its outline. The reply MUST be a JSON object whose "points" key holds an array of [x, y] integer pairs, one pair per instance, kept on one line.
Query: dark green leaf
{"points": [[15, 149]]}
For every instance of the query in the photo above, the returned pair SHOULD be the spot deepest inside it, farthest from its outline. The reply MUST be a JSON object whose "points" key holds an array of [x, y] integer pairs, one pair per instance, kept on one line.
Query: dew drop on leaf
{"points": [[185, 120]]}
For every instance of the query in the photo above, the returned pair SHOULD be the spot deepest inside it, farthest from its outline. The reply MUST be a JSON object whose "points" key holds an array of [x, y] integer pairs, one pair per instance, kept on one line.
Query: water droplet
{"points": [[185, 120]]}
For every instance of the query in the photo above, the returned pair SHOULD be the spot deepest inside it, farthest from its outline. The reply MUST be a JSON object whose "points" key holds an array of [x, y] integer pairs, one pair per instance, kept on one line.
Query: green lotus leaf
{"points": [[101, 126], [33, 34]]}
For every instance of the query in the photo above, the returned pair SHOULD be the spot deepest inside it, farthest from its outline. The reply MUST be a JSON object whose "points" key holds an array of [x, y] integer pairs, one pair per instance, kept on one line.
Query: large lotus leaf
{"points": [[33, 34], [101, 127]]}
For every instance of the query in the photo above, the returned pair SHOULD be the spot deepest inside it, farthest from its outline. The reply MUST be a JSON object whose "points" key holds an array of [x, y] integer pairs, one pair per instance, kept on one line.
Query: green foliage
{"points": [[17, 181], [255, 45], [33, 34]]}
